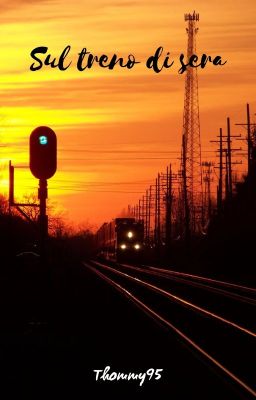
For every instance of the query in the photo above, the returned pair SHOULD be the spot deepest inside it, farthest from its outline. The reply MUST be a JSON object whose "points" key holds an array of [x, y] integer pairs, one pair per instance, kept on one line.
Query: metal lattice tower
{"points": [[191, 142]]}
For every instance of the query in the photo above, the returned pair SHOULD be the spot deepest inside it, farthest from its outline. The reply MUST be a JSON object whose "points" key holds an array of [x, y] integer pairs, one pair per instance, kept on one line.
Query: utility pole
{"points": [[249, 127], [149, 212], [156, 208], [220, 195], [158, 213], [185, 194], [143, 211], [227, 152], [227, 175], [249, 141], [229, 162], [230, 183], [220, 183], [168, 208], [146, 217], [11, 186], [207, 180]]}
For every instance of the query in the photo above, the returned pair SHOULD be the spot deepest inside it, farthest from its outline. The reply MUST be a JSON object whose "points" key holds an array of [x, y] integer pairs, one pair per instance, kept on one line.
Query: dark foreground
{"points": [[57, 328]]}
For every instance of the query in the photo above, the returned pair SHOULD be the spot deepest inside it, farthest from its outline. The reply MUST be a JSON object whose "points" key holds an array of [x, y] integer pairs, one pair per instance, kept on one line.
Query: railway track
{"points": [[240, 301], [243, 293], [213, 318]]}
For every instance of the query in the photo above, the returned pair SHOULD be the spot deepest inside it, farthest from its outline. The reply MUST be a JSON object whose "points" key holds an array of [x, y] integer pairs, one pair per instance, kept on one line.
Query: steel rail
{"points": [[158, 317], [178, 299], [186, 280]]}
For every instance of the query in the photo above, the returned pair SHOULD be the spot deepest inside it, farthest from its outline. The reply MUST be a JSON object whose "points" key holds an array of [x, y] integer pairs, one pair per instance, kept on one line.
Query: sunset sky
{"points": [[116, 129]]}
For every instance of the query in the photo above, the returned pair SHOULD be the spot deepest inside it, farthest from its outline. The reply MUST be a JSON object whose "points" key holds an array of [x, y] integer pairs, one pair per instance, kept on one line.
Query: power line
{"points": [[87, 190], [117, 159]]}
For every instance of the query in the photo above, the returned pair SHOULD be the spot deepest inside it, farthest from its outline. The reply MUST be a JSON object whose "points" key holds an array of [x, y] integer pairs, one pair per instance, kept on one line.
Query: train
{"points": [[121, 239]]}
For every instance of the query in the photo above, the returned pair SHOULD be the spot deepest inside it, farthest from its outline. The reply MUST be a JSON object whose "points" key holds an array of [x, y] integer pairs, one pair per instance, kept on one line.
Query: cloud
{"points": [[88, 92], [14, 4]]}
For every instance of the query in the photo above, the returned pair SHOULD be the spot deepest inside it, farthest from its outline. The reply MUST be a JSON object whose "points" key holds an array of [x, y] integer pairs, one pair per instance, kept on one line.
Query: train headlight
{"points": [[130, 234], [137, 246], [123, 246]]}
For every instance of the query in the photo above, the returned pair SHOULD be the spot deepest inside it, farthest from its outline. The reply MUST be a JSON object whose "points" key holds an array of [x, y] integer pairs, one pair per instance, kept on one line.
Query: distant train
{"points": [[121, 240]]}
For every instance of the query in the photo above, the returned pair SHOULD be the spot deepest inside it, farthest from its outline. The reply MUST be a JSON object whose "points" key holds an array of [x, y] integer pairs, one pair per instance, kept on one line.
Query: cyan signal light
{"points": [[43, 140]]}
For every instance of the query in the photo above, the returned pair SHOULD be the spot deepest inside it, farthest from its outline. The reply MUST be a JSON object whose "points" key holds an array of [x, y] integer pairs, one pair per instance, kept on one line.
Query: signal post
{"points": [[43, 217], [43, 165]]}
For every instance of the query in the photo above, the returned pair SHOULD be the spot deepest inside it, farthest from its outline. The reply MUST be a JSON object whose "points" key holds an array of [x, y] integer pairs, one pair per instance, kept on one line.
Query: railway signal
{"points": [[43, 165], [43, 152]]}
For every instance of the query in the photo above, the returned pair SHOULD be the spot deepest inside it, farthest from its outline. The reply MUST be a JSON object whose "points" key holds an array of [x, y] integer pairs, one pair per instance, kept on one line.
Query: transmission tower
{"points": [[191, 142]]}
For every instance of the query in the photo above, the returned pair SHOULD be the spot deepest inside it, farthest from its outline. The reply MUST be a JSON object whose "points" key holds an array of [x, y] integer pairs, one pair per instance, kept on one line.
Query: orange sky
{"points": [[116, 129]]}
